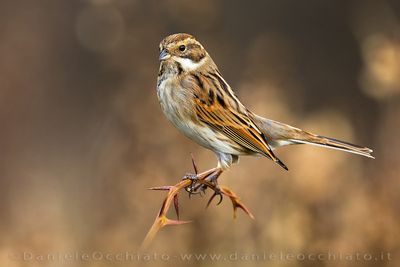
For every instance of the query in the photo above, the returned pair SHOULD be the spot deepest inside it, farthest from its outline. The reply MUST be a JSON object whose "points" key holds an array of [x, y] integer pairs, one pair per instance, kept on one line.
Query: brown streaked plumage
{"points": [[199, 102]]}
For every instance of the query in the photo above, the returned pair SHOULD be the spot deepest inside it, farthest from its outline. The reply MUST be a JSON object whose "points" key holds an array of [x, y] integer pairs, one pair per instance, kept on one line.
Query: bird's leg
{"points": [[213, 178]]}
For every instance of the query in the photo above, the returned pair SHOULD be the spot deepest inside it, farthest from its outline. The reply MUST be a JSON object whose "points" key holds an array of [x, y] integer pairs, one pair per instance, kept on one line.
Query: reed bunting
{"points": [[198, 101]]}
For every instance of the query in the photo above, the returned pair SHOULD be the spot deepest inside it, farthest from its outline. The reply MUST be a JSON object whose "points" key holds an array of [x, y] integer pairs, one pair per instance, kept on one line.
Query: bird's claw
{"points": [[190, 176], [217, 192], [199, 185], [192, 188]]}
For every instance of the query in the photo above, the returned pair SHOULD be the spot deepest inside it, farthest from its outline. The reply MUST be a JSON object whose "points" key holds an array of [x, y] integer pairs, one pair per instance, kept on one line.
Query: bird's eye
{"points": [[182, 48]]}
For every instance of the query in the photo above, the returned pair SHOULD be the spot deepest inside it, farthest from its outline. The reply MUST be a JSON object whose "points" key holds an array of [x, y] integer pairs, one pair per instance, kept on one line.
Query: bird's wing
{"points": [[218, 107]]}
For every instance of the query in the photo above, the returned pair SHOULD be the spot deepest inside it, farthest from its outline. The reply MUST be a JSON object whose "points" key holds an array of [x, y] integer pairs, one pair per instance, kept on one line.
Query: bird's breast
{"points": [[175, 100]]}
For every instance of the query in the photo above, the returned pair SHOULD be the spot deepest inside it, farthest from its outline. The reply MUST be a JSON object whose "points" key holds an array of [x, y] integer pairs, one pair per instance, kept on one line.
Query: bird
{"points": [[197, 100]]}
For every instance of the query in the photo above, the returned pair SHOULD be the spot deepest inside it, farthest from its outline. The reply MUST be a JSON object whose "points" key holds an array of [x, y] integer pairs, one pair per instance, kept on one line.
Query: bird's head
{"points": [[184, 49]]}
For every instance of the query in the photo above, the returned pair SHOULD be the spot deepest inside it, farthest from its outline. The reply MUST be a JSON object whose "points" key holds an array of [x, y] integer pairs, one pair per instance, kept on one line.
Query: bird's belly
{"points": [[206, 137]]}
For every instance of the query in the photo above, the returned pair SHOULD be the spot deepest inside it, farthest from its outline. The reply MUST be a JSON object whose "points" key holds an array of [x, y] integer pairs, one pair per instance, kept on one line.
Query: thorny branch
{"points": [[172, 197]]}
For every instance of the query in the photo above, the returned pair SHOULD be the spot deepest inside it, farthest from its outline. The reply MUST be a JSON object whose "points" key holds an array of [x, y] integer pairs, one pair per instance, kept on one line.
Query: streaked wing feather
{"points": [[235, 124]]}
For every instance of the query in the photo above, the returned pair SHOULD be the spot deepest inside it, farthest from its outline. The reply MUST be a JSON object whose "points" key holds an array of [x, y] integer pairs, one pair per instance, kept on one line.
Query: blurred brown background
{"points": [[82, 136]]}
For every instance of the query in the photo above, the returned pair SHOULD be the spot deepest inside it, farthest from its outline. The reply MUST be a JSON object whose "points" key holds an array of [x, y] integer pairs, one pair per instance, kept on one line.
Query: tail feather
{"points": [[280, 134], [336, 144]]}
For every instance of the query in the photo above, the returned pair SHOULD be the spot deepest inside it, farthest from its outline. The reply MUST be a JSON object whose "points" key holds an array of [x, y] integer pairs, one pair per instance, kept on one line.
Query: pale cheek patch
{"points": [[188, 65]]}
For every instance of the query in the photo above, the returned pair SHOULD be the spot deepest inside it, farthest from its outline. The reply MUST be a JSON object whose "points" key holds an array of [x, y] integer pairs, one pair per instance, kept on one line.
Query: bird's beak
{"points": [[164, 55]]}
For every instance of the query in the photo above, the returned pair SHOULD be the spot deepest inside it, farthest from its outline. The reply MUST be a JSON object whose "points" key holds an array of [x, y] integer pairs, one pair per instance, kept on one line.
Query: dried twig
{"points": [[172, 197], [236, 203], [161, 219]]}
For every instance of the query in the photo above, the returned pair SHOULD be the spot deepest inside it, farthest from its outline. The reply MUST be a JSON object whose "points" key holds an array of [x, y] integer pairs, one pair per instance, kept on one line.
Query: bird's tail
{"points": [[281, 134], [328, 142]]}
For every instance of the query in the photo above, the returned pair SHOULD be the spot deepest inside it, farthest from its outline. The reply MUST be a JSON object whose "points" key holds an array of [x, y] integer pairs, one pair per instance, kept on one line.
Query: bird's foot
{"points": [[213, 179], [194, 178], [210, 181], [201, 181], [217, 192], [191, 176]]}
